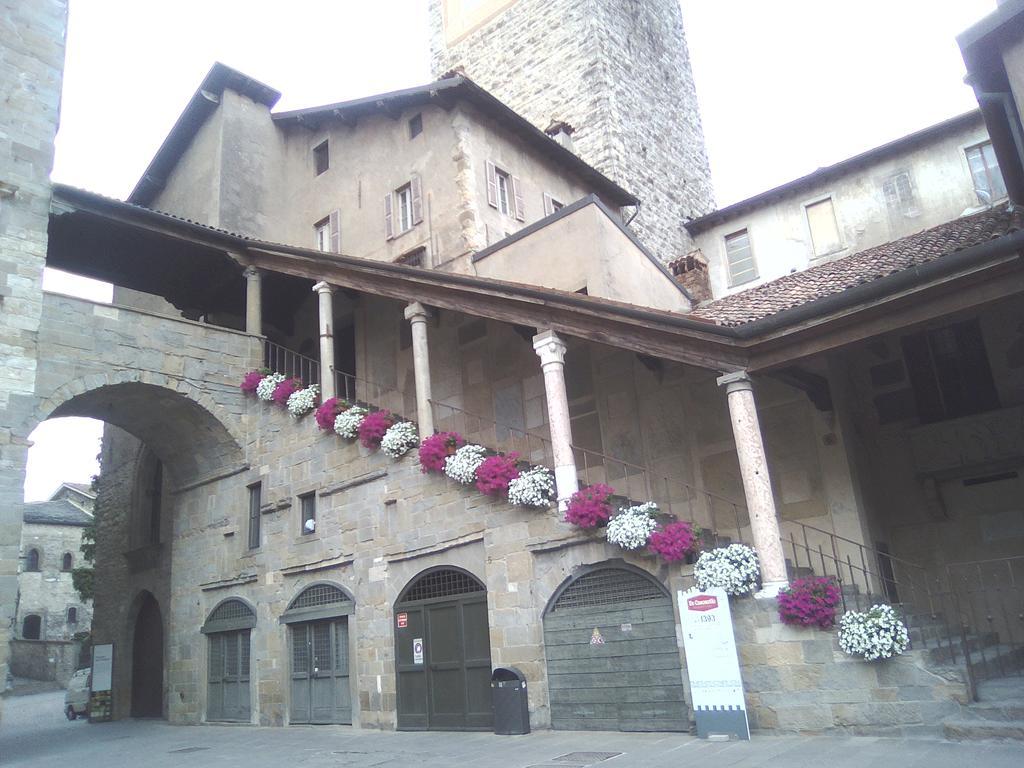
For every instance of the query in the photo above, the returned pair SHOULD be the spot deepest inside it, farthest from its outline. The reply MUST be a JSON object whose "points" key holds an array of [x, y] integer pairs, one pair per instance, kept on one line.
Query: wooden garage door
{"points": [[612, 658]]}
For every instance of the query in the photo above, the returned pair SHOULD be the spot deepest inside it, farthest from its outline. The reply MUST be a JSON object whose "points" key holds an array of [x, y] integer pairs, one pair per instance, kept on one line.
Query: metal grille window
{"points": [[442, 583], [740, 256], [255, 502], [607, 586], [985, 173], [318, 595], [231, 609]]}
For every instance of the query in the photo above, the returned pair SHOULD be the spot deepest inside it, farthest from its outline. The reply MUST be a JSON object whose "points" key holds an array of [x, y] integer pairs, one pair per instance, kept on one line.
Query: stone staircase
{"points": [[998, 713]]}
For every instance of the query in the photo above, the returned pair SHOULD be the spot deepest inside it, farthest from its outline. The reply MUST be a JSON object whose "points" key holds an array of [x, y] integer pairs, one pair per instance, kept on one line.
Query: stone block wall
{"points": [[31, 69], [50, 592], [797, 680], [619, 73], [54, 660]]}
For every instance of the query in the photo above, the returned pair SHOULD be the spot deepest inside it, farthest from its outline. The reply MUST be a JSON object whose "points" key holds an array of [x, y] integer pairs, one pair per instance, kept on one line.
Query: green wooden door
{"points": [[612, 656], [320, 692], [228, 679]]}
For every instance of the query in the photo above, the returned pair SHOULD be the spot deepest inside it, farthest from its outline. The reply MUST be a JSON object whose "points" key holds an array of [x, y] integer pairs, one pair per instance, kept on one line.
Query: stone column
{"points": [[551, 350], [326, 295], [417, 316], [253, 302], [757, 484]]}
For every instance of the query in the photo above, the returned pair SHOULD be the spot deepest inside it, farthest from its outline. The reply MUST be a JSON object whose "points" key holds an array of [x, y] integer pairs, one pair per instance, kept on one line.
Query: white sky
{"points": [[785, 87]]}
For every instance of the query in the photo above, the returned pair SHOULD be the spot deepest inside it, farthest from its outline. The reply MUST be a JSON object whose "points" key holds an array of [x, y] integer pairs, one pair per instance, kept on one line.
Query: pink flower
{"points": [[438, 447], [252, 378], [810, 602], [328, 412], [286, 389], [673, 542], [589, 507], [495, 473], [373, 427]]}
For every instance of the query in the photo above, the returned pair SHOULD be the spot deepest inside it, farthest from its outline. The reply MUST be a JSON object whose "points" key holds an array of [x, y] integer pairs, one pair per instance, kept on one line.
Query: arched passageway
{"points": [[148, 660]]}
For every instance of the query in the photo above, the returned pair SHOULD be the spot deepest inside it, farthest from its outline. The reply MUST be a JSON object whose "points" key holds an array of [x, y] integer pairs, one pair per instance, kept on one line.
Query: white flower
{"points": [[400, 438], [633, 526], [877, 633], [734, 568], [463, 464], [265, 389], [533, 488], [302, 401], [347, 423]]}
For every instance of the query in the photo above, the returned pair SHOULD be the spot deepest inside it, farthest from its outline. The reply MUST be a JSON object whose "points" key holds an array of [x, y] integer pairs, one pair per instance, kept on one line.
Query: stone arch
{"points": [[185, 427], [614, 564], [146, 630]]}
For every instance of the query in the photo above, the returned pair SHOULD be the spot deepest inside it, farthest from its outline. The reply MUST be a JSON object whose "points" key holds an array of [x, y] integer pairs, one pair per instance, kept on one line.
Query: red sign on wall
{"points": [[702, 603], [403, 620]]}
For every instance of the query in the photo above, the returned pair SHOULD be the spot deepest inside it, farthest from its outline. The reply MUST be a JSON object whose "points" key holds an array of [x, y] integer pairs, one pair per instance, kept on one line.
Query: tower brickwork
{"points": [[618, 71]]}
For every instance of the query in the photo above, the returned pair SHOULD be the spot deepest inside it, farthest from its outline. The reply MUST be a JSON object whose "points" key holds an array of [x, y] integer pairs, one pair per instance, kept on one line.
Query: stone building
{"points": [[857, 419]]}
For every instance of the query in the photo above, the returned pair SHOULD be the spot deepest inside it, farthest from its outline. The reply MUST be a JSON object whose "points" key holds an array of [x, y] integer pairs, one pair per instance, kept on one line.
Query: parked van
{"points": [[76, 699]]}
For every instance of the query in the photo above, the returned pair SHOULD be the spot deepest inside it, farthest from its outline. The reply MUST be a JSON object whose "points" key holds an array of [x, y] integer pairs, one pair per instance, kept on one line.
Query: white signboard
{"points": [[102, 667], [712, 664], [417, 651]]}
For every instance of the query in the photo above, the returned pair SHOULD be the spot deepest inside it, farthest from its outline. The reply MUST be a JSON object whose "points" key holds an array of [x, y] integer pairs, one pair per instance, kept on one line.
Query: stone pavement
{"points": [[35, 733]]}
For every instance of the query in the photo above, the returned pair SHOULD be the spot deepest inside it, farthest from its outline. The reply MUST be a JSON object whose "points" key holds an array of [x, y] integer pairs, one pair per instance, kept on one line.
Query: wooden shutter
{"points": [[334, 223], [517, 194], [548, 207], [417, 199], [492, 185], [389, 230]]}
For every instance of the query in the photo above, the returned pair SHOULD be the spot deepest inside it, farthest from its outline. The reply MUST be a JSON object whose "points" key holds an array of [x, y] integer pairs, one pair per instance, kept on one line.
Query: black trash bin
{"points": [[511, 709]]}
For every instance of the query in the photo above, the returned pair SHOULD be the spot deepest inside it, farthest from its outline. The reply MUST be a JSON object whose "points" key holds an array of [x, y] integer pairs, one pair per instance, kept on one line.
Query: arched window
{"points": [[32, 561], [72, 615], [31, 627], [67, 562]]}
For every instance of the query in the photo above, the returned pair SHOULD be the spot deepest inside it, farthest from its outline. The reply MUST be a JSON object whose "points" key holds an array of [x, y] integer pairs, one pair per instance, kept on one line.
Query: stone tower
{"points": [[31, 68], [617, 71]]}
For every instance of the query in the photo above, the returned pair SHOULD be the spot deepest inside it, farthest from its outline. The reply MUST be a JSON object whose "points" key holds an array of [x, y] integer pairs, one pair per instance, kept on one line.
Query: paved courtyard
{"points": [[35, 733]]}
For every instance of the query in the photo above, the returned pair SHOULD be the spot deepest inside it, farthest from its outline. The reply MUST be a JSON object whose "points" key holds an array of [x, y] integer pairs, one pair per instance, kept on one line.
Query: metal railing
{"points": [[283, 360], [356, 389]]}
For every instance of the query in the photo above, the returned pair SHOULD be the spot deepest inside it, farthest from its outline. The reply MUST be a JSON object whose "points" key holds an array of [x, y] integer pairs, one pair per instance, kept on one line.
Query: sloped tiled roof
{"points": [[834, 277], [60, 512]]}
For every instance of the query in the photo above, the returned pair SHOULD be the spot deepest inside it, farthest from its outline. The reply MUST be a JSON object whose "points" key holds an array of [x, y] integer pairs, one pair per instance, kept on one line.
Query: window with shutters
{"points": [[327, 233], [821, 220], [740, 257], [985, 173], [323, 235], [403, 208], [551, 204], [255, 502], [505, 192], [321, 157]]}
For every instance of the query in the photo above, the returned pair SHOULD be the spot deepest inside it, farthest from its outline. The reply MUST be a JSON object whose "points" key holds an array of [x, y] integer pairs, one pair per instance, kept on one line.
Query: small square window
{"points": [[321, 158], [307, 503], [415, 125]]}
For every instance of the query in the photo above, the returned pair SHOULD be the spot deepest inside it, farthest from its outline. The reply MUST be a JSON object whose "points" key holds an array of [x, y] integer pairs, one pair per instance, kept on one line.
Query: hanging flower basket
{"points": [[268, 385], [734, 568], [495, 473], [438, 447], [303, 401], [328, 412], [399, 439], [461, 466], [252, 380], [589, 507], [285, 389], [533, 488], [373, 427], [810, 602], [347, 423], [632, 528], [878, 633], [676, 541]]}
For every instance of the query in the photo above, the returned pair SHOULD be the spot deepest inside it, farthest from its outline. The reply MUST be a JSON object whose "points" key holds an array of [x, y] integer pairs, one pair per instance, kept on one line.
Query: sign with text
{"points": [[417, 651], [403, 620], [712, 664], [100, 699]]}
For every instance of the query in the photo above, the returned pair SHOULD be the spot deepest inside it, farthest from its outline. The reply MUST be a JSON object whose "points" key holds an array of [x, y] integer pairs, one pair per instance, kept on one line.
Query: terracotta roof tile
{"points": [[834, 277]]}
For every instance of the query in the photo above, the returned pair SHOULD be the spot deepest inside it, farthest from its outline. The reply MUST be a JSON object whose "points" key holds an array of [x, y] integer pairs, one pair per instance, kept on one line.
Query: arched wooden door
{"points": [[318, 642], [612, 657], [227, 682], [443, 653], [148, 660]]}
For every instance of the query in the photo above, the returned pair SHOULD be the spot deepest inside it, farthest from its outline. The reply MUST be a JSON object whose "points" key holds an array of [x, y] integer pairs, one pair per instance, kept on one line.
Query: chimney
{"points": [[691, 271], [562, 132]]}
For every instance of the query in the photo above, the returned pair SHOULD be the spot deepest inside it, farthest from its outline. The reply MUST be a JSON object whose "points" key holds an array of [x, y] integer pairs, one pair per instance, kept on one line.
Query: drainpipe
{"points": [[1004, 101]]}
